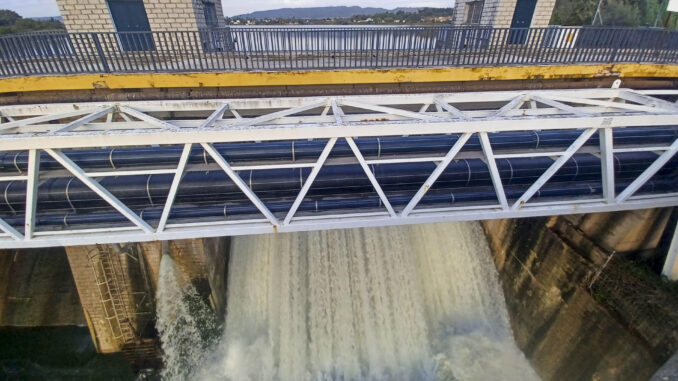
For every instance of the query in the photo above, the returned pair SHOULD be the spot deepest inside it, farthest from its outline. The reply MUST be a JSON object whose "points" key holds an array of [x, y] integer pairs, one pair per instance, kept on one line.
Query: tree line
{"points": [[11, 22]]}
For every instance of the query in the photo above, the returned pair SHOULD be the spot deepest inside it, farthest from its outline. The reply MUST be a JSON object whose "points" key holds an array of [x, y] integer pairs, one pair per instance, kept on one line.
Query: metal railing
{"points": [[308, 48]]}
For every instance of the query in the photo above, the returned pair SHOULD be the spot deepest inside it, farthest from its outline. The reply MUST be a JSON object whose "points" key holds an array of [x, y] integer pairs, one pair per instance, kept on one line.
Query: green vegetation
{"points": [[613, 12], [422, 16], [12, 22]]}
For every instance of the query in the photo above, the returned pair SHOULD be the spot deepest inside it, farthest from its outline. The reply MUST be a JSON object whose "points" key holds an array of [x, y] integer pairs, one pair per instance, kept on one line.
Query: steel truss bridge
{"points": [[85, 173]]}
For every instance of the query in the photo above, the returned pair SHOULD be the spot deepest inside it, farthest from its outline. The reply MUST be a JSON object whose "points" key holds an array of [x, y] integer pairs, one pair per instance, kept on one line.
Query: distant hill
{"points": [[319, 12]]}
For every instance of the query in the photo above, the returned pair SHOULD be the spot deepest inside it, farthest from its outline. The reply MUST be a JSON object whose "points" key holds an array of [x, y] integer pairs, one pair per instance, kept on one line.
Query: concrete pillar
{"points": [[117, 285], [115, 294], [670, 269]]}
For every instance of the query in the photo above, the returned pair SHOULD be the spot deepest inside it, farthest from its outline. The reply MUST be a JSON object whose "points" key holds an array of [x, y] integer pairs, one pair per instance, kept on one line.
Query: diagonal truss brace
{"points": [[183, 160], [387, 110], [436, 173], [44, 118], [7, 228], [648, 173], [571, 150], [559, 105], [218, 113], [278, 114], [84, 120], [147, 118], [370, 175], [309, 181], [449, 108], [98, 189], [216, 156]]}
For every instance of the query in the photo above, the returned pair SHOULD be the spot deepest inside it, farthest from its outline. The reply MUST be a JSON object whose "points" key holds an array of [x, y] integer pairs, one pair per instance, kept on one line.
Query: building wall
{"points": [[163, 15], [198, 6], [542, 13], [499, 13], [86, 15]]}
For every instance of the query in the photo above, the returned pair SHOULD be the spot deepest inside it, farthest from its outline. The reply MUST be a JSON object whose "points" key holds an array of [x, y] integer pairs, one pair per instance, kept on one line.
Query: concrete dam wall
{"points": [[579, 305]]}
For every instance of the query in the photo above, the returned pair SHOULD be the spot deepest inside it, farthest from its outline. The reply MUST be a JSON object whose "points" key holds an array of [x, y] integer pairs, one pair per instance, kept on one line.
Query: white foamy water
{"points": [[184, 322], [395, 303]]}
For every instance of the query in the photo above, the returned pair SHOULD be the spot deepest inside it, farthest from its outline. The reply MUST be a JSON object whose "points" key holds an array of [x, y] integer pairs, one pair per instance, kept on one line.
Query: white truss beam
{"points": [[44, 118], [515, 103], [99, 190], [494, 172], [387, 110], [558, 105], [288, 119], [458, 145], [370, 175], [147, 118], [611, 104], [449, 108], [607, 163], [217, 114], [216, 156], [648, 173], [31, 192], [178, 174], [309, 180], [571, 150], [84, 120], [278, 114]]}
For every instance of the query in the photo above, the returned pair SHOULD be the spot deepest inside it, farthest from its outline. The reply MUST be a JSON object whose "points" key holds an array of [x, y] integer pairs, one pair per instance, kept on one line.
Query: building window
{"points": [[210, 11], [474, 10]]}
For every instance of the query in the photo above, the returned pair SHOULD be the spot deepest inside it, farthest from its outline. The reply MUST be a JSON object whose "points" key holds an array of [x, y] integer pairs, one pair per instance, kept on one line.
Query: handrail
{"points": [[284, 48]]}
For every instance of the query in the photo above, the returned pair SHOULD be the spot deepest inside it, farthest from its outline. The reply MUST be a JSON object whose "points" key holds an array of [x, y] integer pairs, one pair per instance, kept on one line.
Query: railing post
{"points": [[100, 51], [615, 45]]}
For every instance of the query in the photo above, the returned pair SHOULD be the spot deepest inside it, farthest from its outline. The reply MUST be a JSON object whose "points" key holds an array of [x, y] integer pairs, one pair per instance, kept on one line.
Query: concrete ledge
{"points": [[336, 77]]}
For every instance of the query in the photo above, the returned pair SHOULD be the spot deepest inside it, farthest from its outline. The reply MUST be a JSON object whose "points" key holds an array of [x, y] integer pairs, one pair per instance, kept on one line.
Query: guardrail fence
{"points": [[303, 48]]}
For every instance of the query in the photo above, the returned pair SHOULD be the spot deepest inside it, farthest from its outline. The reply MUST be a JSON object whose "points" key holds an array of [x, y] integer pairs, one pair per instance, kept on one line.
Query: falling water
{"points": [[393, 303], [185, 324]]}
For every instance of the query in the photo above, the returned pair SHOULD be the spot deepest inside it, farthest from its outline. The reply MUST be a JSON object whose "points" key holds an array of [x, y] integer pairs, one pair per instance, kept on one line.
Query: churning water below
{"points": [[394, 303]]}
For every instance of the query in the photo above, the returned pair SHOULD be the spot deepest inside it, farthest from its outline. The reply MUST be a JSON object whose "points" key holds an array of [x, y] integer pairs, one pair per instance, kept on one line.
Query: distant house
{"points": [[140, 15], [504, 13]]}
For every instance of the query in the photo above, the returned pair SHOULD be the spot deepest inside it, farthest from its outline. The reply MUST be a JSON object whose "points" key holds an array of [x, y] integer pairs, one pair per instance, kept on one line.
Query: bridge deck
{"points": [[73, 174]]}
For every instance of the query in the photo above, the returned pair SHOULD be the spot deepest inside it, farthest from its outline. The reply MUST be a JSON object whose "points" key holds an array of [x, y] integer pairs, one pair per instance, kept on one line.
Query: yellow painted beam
{"points": [[330, 77]]}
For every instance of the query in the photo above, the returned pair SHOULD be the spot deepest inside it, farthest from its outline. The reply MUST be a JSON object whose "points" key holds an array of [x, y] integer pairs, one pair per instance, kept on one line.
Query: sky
{"points": [[40, 8]]}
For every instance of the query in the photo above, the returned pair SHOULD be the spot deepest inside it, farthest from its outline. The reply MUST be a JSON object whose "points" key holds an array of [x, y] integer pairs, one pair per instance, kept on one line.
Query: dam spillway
{"points": [[400, 303]]}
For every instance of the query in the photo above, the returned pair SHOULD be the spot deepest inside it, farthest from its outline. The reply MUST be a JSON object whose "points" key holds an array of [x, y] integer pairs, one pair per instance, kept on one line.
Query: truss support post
{"points": [[494, 172], [670, 269], [174, 187], [607, 163], [436, 173], [31, 192]]}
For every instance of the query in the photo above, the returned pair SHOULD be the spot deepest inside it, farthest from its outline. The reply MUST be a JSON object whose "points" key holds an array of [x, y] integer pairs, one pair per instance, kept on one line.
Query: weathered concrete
{"points": [[37, 289], [117, 284], [139, 94], [576, 313]]}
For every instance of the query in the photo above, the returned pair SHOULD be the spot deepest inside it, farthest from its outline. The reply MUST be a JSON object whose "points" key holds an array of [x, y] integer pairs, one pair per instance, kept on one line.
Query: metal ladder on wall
{"points": [[111, 285]]}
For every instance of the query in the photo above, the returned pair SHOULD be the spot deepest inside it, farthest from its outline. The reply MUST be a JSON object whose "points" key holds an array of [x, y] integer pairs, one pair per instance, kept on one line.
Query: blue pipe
{"points": [[118, 158], [442, 197], [335, 180]]}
